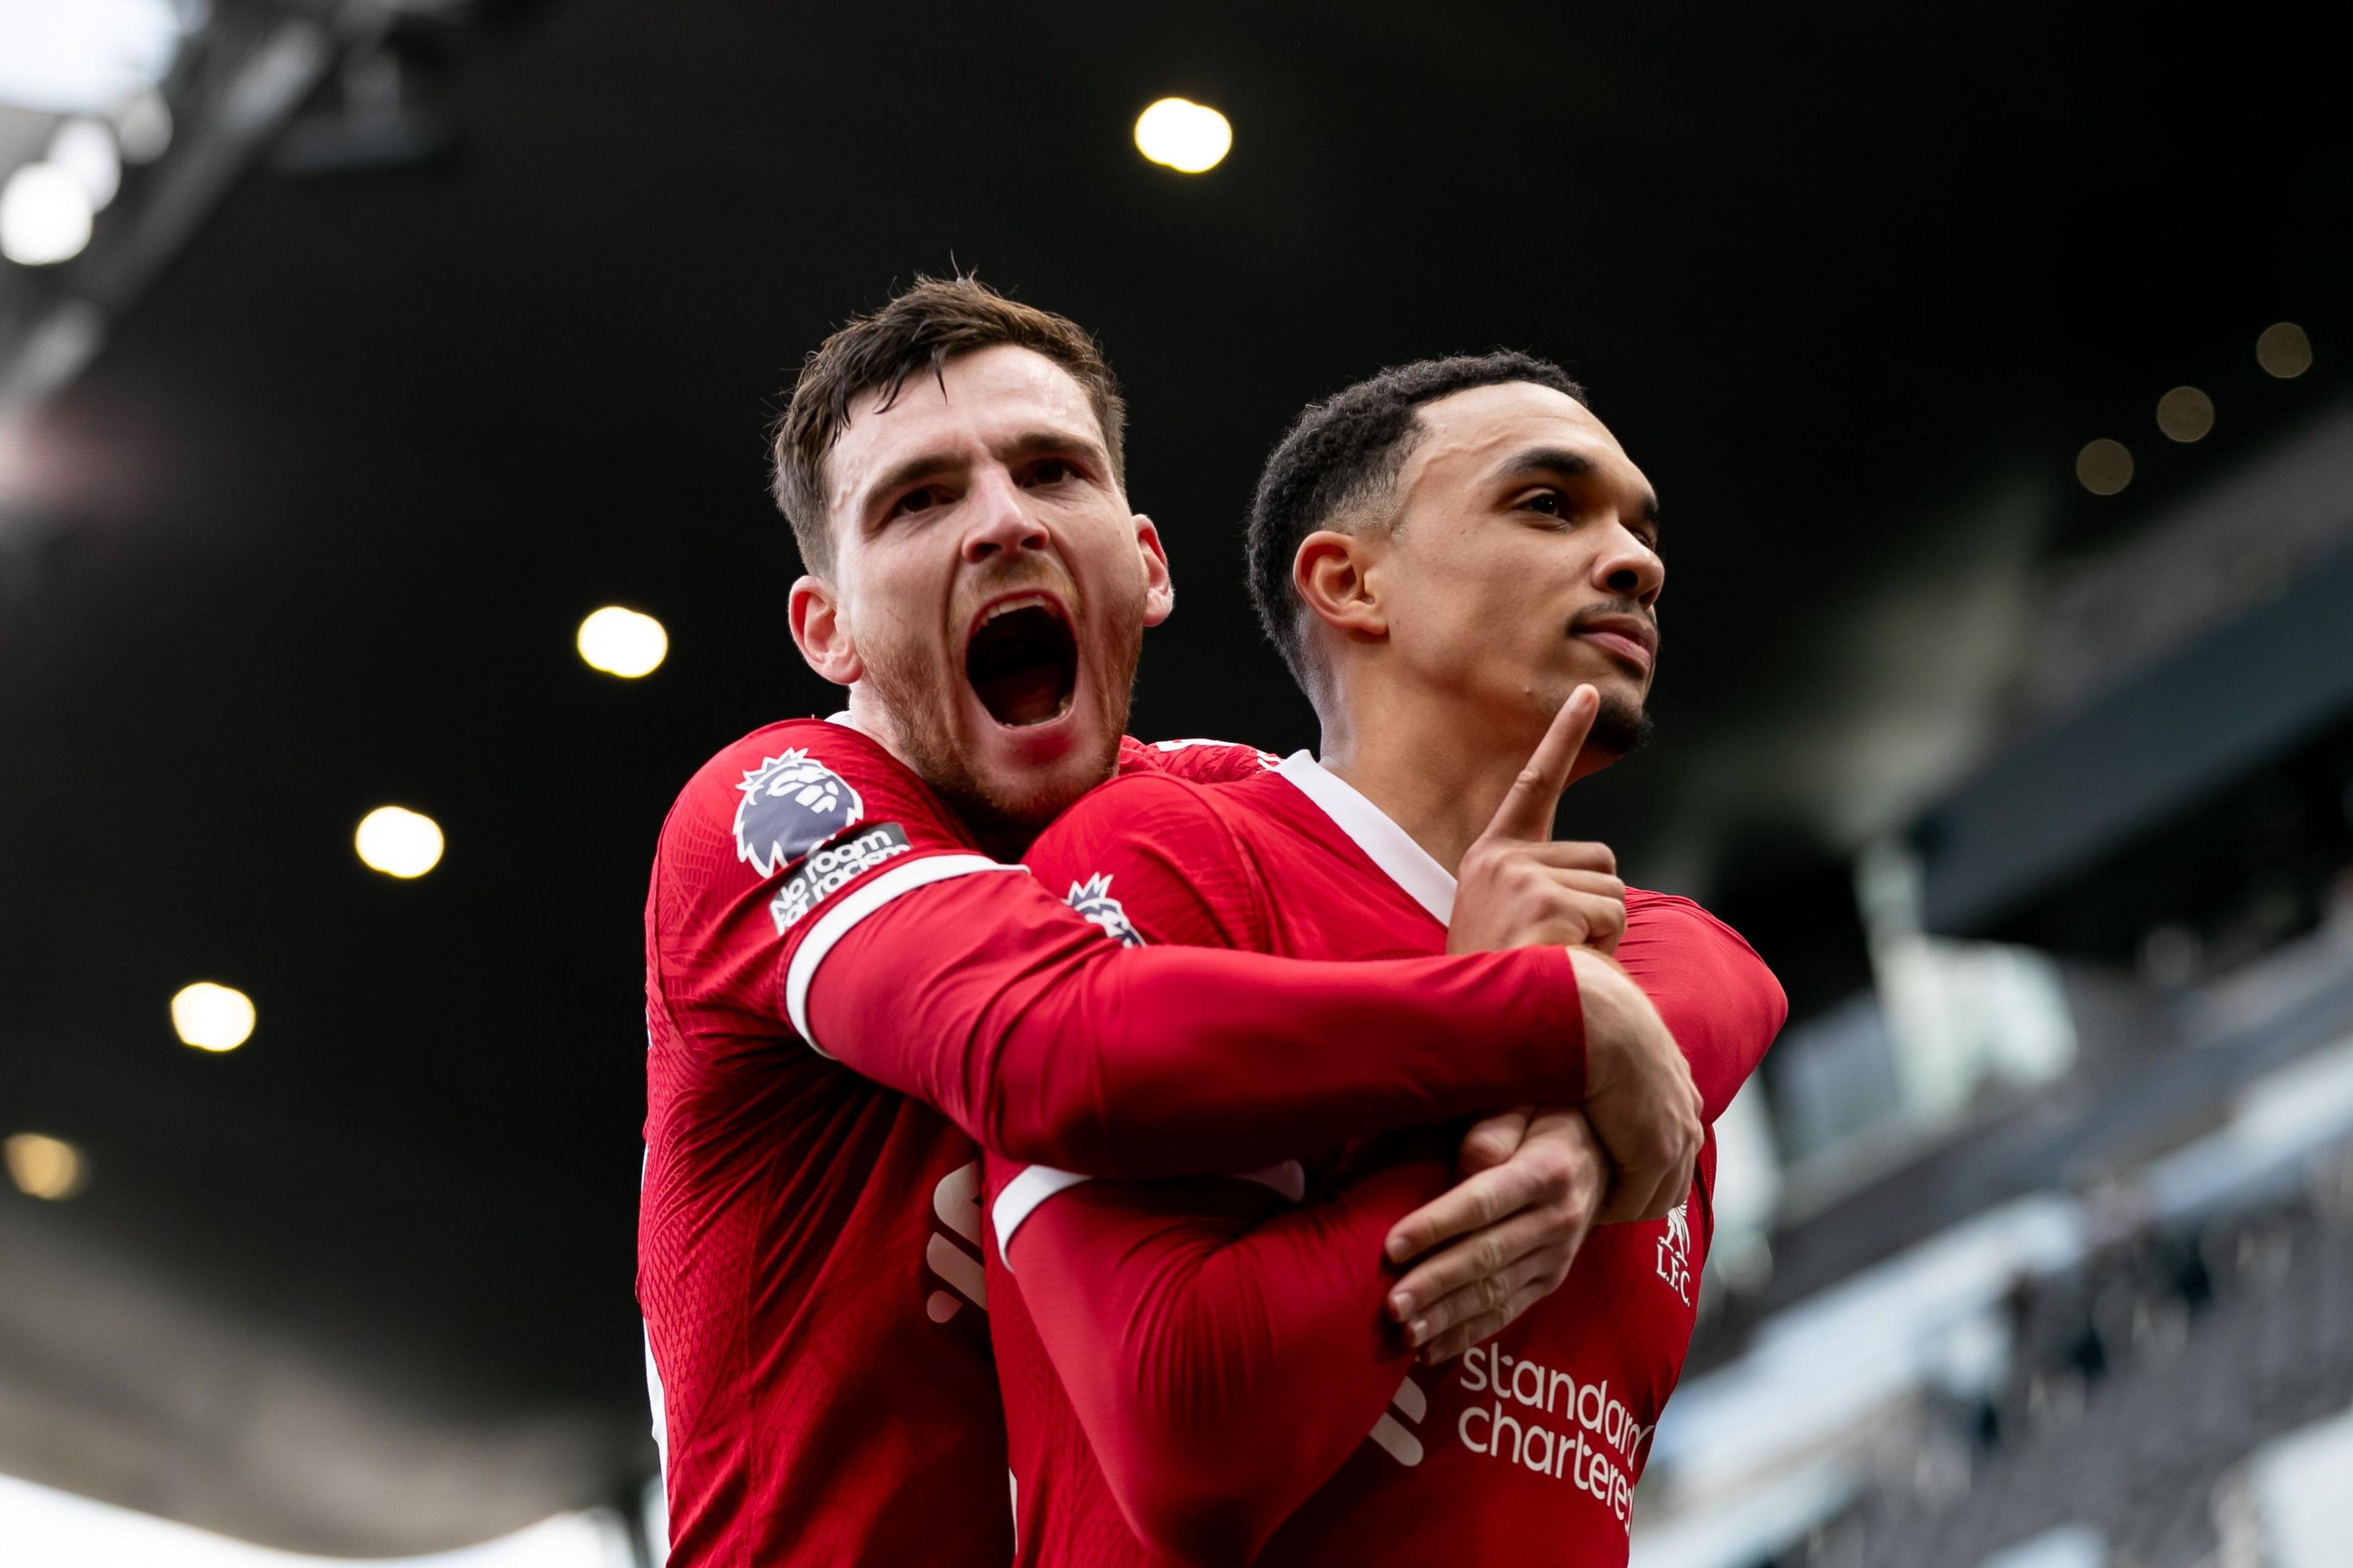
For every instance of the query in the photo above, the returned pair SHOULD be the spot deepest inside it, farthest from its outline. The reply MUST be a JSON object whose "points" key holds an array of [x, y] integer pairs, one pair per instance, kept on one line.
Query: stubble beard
{"points": [[1621, 728], [1002, 817]]}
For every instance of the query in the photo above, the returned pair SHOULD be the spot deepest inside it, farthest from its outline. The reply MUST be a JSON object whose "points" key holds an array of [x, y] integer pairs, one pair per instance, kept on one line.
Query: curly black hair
{"points": [[1344, 453]]}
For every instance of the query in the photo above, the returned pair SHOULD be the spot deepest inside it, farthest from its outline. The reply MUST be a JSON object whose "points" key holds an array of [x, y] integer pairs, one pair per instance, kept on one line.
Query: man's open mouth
{"points": [[1022, 661]]}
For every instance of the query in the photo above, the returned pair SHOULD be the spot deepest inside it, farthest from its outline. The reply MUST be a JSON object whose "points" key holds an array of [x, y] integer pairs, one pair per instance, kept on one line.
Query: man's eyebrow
{"points": [[899, 476], [1559, 462], [1048, 438], [1027, 443]]}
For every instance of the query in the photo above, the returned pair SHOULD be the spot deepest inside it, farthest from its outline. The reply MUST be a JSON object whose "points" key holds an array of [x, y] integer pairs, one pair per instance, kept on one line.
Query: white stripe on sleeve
{"points": [[837, 921], [1035, 1184]]}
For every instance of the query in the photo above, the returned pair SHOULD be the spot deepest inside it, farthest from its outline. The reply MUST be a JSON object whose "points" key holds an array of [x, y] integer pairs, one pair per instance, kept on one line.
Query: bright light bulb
{"points": [[213, 1017], [623, 642], [399, 842], [44, 1167], [1186, 136], [86, 150], [44, 216]]}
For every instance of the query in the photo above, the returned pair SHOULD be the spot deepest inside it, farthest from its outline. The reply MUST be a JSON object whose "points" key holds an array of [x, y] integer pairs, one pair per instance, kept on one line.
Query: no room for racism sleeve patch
{"points": [[833, 867]]}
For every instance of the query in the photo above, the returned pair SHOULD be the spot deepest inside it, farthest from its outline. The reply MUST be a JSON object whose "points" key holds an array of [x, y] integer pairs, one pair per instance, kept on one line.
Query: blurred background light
{"points": [[86, 150], [83, 57], [213, 1017], [46, 1167], [45, 215], [2104, 466], [2185, 413], [1186, 136], [2283, 351], [142, 127], [623, 642], [399, 842]]}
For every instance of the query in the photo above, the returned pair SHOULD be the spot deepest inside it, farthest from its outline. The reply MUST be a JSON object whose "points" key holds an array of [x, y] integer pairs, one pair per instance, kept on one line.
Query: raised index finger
{"points": [[1527, 810]]}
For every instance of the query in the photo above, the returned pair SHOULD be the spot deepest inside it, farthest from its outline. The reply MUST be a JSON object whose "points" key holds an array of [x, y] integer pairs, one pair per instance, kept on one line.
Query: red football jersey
{"points": [[1525, 1450], [808, 1227]]}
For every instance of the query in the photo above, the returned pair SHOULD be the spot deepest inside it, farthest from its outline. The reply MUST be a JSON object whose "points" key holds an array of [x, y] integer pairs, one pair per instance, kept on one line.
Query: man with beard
{"points": [[845, 986], [1455, 558]]}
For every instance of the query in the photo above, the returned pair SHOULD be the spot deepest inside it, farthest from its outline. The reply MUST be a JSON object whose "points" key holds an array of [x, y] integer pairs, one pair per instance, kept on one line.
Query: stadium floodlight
{"points": [[45, 215], [213, 1017], [1186, 136], [399, 842], [623, 642], [44, 1167], [83, 57]]}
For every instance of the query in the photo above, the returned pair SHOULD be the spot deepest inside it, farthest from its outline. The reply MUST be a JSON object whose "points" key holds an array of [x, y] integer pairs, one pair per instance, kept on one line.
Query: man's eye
{"points": [[1552, 503], [1051, 471], [916, 501]]}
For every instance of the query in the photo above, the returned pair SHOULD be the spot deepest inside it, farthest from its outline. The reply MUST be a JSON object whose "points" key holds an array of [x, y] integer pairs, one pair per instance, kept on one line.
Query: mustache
{"points": [[1583, 620], [1028, 574]]}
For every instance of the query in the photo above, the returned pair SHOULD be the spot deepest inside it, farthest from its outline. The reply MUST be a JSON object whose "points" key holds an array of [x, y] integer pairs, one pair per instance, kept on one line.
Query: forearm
{"points": [[1067, 1050], [1711, 990], [1223, 1368]]}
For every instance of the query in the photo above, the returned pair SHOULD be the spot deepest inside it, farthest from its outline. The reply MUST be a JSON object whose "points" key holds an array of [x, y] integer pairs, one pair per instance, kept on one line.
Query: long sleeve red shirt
{"points": [[1187, 1363]]}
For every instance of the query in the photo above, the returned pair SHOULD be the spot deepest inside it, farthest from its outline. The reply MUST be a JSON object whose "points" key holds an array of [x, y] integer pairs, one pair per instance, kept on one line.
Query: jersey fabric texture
{"points": [[1200, 1368], [841, 996]]}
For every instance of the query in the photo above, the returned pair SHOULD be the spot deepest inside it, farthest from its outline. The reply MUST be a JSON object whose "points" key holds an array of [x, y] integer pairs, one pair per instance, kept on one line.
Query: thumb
{"points": [[1527, 810]]}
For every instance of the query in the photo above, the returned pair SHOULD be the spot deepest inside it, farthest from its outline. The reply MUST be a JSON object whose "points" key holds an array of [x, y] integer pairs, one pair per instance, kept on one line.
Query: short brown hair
{"points": [[936, 321]]}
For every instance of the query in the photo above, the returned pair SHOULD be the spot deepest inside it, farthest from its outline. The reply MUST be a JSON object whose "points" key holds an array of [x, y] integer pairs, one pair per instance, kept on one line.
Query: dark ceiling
{"points": [[1852, 282]]}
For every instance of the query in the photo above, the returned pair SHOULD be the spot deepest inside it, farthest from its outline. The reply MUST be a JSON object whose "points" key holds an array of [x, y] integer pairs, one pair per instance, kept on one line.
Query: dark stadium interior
{"points": [[312, 531]]}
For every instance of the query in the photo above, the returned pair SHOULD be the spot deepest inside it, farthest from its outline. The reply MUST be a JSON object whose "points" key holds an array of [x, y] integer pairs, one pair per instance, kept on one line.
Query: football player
{"points": [[1455, 558], [849, 982]]}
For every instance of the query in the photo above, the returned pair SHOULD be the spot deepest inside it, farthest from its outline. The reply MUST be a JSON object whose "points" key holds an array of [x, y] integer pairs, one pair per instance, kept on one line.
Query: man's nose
{"points": [[998, 520], [1630, 569]]}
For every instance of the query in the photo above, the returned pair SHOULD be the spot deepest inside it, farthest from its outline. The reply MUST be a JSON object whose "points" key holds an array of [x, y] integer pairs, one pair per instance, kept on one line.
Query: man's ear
{"points": [[821, 630], [1332, 572], [1159, 588]]}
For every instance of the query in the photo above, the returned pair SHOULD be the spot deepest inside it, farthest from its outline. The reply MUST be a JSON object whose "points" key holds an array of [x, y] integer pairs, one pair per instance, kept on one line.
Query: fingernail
{"points": [[1420, 1330], [1396, 1249], [1401, 1304]]}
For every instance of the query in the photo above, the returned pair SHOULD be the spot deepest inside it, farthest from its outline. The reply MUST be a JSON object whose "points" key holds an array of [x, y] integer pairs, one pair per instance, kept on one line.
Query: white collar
{"points": [[1387, 845]]}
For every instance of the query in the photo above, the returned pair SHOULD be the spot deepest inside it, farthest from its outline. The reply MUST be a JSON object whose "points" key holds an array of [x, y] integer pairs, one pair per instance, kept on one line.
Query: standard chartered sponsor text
{"points": [[1545, 1420]]}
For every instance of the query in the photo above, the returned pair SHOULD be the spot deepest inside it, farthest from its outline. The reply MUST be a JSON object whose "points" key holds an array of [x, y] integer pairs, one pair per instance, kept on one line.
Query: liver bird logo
{"points": [[791, 805], [1679, 1234]]}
